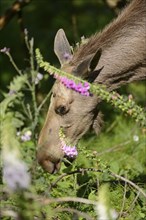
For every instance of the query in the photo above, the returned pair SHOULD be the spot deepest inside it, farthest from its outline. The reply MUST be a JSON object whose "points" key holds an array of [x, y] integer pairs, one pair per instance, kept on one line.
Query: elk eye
{"points": [[61, 110]]}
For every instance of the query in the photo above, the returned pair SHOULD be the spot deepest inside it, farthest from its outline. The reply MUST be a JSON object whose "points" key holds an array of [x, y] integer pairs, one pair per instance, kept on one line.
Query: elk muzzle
{"points": [[49, 151]]}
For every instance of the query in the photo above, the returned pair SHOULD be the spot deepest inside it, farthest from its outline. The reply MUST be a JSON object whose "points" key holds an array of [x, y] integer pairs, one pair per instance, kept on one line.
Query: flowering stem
{"points": [[44, 100], [118, 101], [13, 63], [30, 46]]}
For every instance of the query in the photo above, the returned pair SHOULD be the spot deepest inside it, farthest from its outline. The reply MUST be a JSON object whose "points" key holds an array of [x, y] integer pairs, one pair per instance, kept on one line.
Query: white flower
{"points": [[136, 138], [38, 78], [104, 213]]}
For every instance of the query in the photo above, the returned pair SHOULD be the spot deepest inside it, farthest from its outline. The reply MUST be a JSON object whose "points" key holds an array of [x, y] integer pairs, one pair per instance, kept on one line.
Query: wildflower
{"points": [[136, 138], [18, 133], [83, 89], [38, 78], [70, 151], [105, 213], [5, 50], [12, 92], [114, 97], [26, 136], [15, 173]]}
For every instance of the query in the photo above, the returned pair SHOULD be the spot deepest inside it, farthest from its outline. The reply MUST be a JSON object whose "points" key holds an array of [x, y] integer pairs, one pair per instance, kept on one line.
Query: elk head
{"points": [[68, 109], [121, 61]]}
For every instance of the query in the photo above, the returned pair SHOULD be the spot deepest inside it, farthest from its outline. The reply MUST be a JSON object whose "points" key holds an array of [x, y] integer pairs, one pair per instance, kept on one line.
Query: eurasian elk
{"points": [[113, 57]]}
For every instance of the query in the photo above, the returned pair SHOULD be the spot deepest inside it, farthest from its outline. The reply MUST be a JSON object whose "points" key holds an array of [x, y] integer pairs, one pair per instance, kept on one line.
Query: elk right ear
{"points": [[62, 48], [86, 69]]}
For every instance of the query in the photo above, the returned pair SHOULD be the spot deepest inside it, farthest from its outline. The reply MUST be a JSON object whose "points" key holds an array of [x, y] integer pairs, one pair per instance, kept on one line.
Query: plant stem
{"points": [[13, 63], [44, 101], [33, 88]]}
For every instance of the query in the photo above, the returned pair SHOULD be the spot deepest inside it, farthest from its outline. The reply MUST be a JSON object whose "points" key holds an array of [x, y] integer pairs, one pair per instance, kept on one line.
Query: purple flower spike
{"points": [[70, 151], [15, 174], [86, 85], [83, 89]]}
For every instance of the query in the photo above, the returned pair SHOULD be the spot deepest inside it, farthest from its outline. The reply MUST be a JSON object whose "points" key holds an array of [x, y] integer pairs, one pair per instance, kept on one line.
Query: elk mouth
{"points": [[49, 166]]}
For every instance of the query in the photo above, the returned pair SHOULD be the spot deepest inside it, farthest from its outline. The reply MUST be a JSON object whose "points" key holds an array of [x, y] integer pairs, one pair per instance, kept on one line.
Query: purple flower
{"points": [[15, 174], [5, 50], [26, 136], [70, 151], [83, 89]]}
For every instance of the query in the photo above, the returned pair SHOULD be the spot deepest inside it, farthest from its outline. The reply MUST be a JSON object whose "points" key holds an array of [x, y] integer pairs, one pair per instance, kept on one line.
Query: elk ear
{"points": [[61, 47], [88, 65]]}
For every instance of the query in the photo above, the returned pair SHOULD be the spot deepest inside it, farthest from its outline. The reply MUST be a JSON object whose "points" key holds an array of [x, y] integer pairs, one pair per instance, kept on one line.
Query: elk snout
{"points": [[48, 159], [49, 150]]}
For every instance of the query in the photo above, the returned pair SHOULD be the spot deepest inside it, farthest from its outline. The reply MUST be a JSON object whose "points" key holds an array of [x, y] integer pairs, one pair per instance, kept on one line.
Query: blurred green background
{"points": [[42, 19]]}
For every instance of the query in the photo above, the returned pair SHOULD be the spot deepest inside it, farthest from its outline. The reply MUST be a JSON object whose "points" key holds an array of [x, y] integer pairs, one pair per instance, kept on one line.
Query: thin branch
{"points": [[124, 198], [14, 64], [67, 199], [11, 12], [128, 181], [132, 204], [81, 170], [113, 149], [79, 213], [44, 101]]}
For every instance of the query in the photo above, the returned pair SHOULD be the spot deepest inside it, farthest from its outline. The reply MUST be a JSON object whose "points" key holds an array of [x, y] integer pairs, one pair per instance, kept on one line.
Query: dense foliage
{"points": [[106, 181]]}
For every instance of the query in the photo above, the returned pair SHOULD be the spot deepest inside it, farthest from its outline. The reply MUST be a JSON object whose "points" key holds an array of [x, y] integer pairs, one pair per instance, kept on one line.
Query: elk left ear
{"points": [[88, 65], [62, 47]]}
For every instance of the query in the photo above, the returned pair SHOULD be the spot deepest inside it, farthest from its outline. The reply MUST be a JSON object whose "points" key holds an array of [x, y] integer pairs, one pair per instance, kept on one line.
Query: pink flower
{"points": [[83, 89], [70, 151]]}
